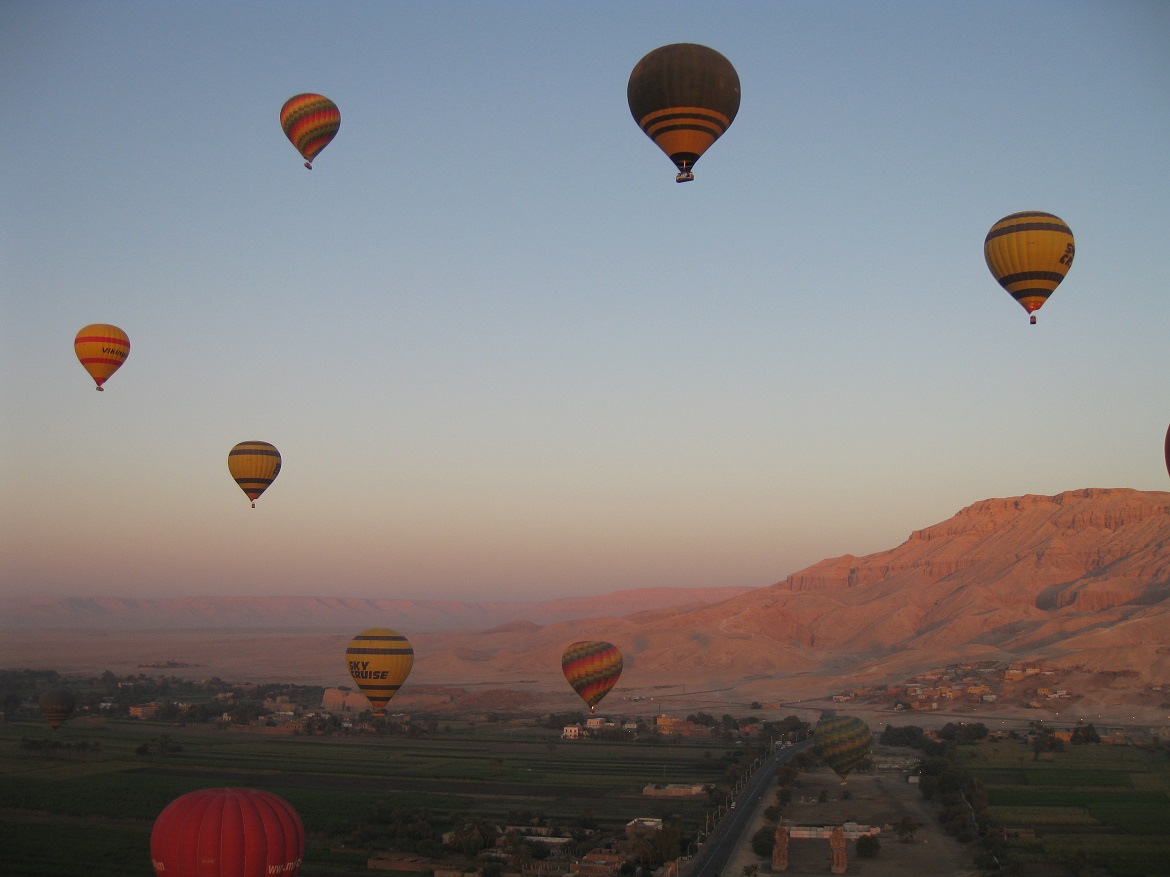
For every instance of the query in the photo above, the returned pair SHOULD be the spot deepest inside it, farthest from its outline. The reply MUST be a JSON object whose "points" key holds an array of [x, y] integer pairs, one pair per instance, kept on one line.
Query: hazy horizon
{"points": [[503, 355]]}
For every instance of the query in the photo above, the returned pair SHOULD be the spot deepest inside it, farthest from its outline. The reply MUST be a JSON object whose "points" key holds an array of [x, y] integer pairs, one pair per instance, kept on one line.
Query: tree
{"points": [[905, 829], [868, 846], [750, 870], [763, 841]]}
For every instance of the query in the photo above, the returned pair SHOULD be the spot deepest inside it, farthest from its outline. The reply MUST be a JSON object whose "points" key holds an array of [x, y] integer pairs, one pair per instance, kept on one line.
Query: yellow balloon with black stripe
{"points": [[1029, 253], [255, 466], [379, 660]]}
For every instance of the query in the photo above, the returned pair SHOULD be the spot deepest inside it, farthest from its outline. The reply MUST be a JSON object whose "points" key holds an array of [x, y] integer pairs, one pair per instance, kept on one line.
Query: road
{"points": [[732, 829]]}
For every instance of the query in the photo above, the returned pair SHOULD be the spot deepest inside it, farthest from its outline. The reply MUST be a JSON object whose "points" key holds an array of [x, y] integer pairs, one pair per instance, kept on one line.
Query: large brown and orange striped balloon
{"points": [[255, 466], [683, 96], [379, 660], [1028, 254], [101, 349], [593, 668], [310, 122]]}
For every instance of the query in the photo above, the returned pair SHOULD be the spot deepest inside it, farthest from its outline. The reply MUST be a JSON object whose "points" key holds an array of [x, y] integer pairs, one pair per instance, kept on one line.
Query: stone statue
{"points": [[780, 850], [837, 845]]}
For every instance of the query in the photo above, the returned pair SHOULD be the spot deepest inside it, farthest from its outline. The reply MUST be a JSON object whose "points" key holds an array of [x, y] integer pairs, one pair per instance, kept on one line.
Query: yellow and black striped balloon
{"points": [[379, 660], [310, 122], [101, 349], [592, 668], [683, 96], [255, 466], [1029, 254]]}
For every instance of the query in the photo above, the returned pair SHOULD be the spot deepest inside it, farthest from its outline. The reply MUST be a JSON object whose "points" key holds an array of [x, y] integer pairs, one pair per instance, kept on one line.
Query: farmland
{"points": [[83, 799], [1086, 805]]}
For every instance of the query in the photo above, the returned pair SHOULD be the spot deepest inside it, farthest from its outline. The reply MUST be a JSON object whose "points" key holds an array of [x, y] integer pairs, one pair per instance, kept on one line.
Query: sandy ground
{"points": [[881, 798]]}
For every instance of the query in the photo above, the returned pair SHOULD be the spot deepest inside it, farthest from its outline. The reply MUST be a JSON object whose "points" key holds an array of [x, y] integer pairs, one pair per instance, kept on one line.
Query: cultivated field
{"points": [[89, 808]]}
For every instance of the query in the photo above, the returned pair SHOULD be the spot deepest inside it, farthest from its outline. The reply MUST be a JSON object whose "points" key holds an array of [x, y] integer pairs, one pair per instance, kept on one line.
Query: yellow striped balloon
{"points": [[310, 122], [255, 466], [592, 668], [683, 96], [1029, 254], [379, 660], [101, 349]]}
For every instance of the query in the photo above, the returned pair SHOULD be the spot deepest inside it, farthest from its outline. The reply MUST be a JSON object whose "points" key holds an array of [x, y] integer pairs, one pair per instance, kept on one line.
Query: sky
{"points": [[503, 354]]}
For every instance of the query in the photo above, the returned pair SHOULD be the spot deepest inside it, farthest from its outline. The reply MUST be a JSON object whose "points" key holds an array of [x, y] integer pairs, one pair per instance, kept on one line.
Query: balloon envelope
{"points": [[310, 122], [683, 96], [57, 705], [101, 349], [379, 660], [221, 832], [592, 667], [255, 466], [1029, 254], [842, 742]]}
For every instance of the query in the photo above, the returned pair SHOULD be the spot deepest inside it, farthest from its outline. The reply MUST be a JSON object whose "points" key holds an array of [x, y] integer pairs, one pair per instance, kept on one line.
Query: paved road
{"points": [[732, 829]]}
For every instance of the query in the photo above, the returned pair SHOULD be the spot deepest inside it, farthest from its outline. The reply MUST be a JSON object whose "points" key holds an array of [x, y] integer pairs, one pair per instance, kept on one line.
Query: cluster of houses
{"points": [[972, 683]]}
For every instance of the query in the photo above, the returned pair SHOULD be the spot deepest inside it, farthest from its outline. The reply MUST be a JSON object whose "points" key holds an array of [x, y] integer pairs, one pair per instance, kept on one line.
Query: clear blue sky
{"points": [[503, 354]]}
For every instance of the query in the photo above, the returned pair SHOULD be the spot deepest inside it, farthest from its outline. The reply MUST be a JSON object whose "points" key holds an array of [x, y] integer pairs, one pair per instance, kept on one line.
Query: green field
{"points": [[89, 808], [1107, 805]]}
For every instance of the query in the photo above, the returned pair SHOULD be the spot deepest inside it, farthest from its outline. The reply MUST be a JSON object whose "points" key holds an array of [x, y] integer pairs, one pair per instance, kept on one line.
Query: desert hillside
{"points": [[1078, 581]]}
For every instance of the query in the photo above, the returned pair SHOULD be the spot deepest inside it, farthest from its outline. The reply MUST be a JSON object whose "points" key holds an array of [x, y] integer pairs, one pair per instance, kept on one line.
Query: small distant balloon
{"points": [[255, 466], [227, 833], [684, 97], [1167, 451], [310, 122], [842, 742], [57, 705], [592, 668], [101, 349], [1029, 254], [379, 660]]}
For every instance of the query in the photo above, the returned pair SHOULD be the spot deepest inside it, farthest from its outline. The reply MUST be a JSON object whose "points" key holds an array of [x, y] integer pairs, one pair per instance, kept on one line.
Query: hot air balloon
{"points": [[101, 349], [254, 465], [592, 667], [379, 660], [310, 122], [221, 832], [684, 96], [1167, 451], [842, 742], [57, 705], [1028, 254]]}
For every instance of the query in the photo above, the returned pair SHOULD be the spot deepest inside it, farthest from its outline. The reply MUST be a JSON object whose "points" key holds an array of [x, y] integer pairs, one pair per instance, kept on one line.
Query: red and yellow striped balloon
{"points": [[1029, 254], [683, 96], [592, 667], [101, 349], [255, 466], [310, 122], [379, 660]]}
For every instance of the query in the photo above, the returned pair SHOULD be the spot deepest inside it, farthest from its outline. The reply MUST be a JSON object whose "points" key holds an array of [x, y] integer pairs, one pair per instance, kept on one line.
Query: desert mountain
{"points": [[330, 613], [1079, 581]]}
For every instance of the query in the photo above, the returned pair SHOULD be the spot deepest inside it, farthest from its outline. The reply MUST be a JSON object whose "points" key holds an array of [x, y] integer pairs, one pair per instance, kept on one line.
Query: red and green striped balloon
{"points": [[592, 667], [842, 742], [310, 122]]}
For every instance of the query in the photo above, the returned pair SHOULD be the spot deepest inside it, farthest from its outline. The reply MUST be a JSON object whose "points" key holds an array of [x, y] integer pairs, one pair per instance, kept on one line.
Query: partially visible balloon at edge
{"points": [[310, 122], [101, 349]]}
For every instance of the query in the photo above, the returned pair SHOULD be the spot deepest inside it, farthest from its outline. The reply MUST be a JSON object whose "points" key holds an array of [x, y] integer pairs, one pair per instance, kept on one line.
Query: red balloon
{"points": [[221, 832]]}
